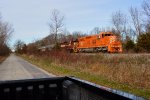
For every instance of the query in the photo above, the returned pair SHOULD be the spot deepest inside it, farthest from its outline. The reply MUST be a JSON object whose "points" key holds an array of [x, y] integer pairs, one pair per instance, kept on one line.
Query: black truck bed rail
{"points": [[59, 88]]}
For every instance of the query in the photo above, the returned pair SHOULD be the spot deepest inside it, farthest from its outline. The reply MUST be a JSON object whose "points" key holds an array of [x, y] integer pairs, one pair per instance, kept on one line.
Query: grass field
{"points": [[130, 73]]}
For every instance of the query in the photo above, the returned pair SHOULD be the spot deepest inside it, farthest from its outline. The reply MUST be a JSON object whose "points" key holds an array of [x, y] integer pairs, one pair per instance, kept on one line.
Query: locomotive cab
{"points": [[106, 35], [111, 42]]}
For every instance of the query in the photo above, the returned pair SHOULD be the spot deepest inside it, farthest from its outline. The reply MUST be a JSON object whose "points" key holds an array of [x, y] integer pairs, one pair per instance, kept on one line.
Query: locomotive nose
{"points": [[115, 44], [113, 39]]}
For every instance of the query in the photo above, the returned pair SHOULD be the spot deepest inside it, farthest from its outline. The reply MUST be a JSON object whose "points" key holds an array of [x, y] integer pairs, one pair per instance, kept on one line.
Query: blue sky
{"points": [[30, 17]]}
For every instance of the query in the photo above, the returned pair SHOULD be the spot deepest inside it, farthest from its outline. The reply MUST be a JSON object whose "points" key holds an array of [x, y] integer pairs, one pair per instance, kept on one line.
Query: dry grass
{"points": [[2, 58], [130, 70]]}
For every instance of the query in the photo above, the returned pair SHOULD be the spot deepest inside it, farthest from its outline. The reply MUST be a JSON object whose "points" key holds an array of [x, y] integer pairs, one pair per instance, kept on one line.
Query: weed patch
{"points": [[127, 73]]}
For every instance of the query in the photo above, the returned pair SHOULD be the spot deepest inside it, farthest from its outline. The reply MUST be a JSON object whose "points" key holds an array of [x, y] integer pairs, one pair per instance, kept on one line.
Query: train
{"points": [[102, 42]]}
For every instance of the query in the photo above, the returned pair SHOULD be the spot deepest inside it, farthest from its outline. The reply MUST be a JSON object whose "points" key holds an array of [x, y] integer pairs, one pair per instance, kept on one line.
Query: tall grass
{"points": [[128, 69], [131, 70]]}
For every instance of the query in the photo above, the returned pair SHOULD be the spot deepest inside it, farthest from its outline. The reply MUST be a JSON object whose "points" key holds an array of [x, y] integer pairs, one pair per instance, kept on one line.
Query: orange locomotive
{"points": [[103, 42]]}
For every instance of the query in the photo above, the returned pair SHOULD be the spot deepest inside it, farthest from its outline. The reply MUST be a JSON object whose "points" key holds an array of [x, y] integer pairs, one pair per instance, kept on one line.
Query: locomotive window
{"points": [[103, 35], [108, 34]]}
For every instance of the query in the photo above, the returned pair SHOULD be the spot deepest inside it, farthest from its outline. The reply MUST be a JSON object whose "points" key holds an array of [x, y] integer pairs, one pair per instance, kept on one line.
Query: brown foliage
{"points": [[128, 69], [32, 49]]}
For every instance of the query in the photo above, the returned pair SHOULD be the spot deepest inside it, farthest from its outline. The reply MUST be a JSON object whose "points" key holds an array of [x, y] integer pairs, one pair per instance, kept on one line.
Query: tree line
{"points": [[133, 30], [5, 34]]}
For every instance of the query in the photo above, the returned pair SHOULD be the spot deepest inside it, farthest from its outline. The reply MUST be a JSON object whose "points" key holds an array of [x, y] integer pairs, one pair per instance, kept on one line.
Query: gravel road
{"points": [[15, 68]]}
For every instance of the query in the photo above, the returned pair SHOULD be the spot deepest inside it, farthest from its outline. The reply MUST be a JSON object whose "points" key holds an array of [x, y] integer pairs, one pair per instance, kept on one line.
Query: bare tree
{"points": [[5, 33], [95, 30], [78, 34], [135, 15], [119, 20], [56, 23], [18, 46], [146, 9]]}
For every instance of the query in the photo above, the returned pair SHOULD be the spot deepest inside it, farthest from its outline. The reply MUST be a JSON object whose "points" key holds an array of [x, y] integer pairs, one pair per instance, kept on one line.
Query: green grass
{"points": [[61, 70]]}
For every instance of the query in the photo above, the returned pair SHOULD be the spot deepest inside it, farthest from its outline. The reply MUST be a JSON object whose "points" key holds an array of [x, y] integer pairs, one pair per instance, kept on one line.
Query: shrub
{"points": [[143, 42], [32, 49], [4, 50], [129, 46]]}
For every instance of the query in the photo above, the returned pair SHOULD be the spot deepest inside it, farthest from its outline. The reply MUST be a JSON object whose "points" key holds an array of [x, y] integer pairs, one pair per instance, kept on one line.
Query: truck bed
{"points": [[59, 88]]}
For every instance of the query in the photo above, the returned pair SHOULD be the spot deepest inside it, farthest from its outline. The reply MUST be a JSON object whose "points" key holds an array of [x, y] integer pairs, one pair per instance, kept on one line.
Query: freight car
{"points": [[103, 42]]}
